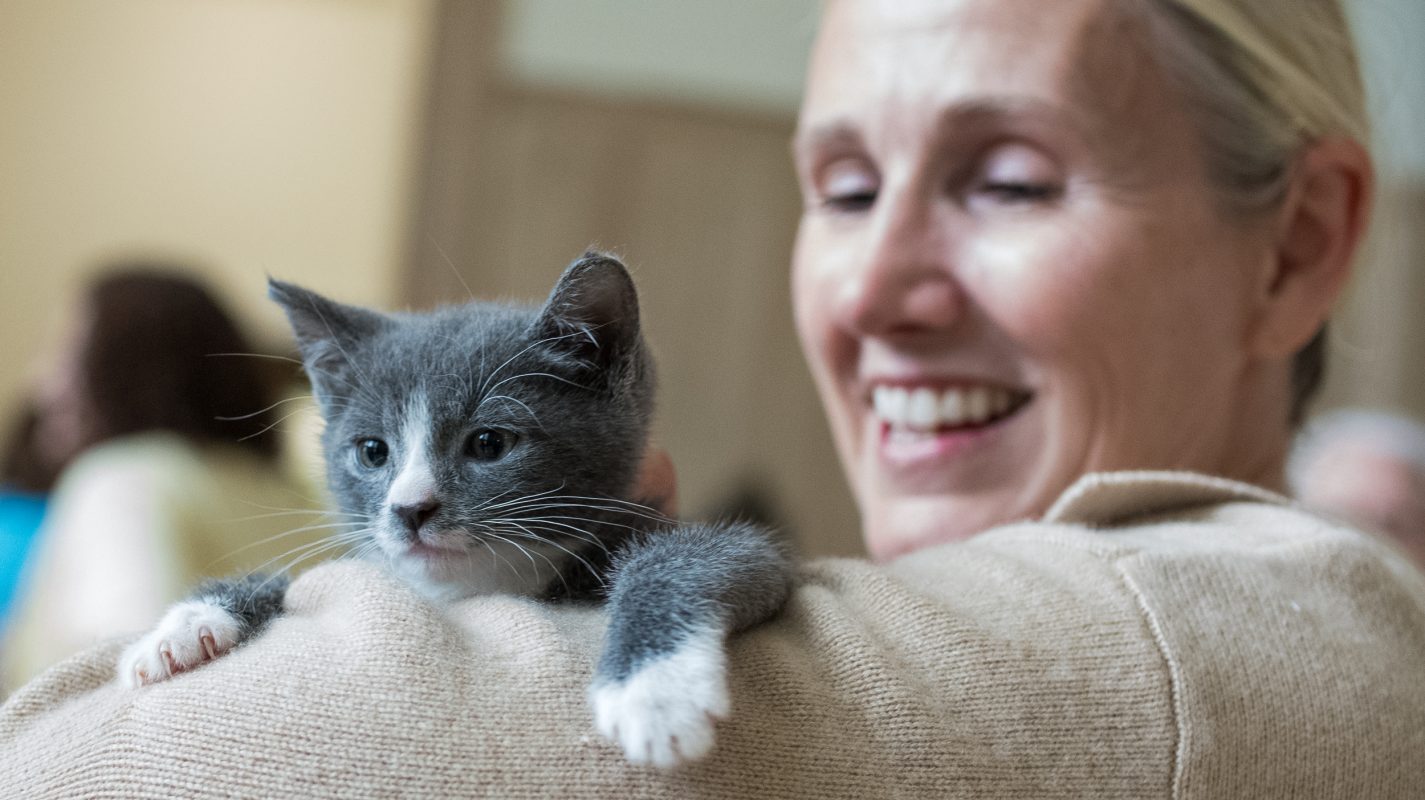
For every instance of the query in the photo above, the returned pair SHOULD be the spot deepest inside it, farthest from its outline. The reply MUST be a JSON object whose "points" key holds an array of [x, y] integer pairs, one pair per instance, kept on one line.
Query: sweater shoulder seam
{"points": [[1174, 674]]}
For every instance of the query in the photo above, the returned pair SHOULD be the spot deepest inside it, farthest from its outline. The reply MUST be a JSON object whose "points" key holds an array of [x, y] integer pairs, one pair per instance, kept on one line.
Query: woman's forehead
{"points": [[921, 56]]}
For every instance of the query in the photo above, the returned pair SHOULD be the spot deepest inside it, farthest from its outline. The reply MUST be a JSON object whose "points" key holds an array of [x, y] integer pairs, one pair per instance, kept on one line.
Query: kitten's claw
{"points": [[664, 713], [189, 634]]}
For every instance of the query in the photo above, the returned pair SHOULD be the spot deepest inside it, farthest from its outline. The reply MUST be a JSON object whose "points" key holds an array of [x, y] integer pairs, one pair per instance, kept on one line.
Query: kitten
{"points": [[492, 448]]}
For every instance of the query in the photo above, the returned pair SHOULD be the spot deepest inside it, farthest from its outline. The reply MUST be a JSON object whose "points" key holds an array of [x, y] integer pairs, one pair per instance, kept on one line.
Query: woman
{"points": [[151, 444], [1044, 243], [1129, 260]]}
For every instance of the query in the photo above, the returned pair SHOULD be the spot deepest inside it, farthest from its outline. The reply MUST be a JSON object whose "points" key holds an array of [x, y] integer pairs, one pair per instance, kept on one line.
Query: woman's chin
{"points": [[905, 523], [931, 487]]}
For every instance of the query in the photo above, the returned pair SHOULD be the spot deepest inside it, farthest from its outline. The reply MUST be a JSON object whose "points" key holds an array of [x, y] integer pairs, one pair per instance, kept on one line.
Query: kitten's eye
{"points": [[372, 453], [489, 444]]}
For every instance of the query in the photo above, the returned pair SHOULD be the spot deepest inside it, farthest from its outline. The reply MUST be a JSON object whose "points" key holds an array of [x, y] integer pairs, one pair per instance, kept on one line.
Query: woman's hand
{"points": [[657, 483]]}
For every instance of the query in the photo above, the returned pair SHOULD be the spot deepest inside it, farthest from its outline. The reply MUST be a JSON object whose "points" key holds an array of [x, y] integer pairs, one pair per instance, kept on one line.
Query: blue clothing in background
{"points": [[20, 517]]}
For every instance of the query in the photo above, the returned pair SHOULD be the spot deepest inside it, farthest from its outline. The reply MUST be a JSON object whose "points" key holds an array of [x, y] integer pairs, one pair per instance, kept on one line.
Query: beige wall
{"points": [[742, 54], [1378, 342], [253, 136], [1388, 34], [1377, 353]]}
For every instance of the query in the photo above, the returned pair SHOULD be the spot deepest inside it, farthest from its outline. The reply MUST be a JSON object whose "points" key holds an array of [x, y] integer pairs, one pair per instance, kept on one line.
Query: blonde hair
{"points": [[1265, 79]]}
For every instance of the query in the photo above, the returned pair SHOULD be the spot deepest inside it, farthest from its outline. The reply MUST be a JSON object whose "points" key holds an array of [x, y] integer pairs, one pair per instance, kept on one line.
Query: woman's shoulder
{"points": [[1177, 514], [1136, 665], [150, 456], [1187, 547], [164, 463], [173, 486], [1254, 605]]}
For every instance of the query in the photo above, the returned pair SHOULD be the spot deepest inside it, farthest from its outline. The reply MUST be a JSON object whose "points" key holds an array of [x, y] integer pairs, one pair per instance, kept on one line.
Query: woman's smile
{"points": [[922, 421]]}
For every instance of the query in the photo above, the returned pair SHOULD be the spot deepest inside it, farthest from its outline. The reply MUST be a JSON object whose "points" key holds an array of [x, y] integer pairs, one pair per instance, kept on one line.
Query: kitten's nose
{"points": [[416, 514]]}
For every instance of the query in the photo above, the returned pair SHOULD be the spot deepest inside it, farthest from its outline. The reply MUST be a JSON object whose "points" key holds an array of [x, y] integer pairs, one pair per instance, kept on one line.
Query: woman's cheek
{"points": [[808, 286], [1043, 289], [823, 267]]}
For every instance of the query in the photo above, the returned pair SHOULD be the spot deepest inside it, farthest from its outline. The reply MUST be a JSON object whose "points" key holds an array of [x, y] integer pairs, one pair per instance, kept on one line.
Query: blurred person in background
{"points": [[150, 432], [24, 483], [1368, 468]]}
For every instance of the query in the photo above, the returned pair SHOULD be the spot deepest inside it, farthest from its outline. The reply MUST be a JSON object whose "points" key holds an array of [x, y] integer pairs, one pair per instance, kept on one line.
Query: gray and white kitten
{"points": [[492, 448]]}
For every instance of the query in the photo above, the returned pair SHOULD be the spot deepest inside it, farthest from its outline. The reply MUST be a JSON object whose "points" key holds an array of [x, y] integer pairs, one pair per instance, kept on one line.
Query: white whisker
{"points": [[550, 375], [331, 542], [525, 532], [285, 534], [265, 410], [530, 555], [572, 531], [271, 426], [520, 403], [451, 264], [496, 554], [486, 384]]}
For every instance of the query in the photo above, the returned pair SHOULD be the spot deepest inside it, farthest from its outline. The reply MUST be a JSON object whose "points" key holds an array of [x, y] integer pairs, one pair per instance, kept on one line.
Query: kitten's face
{"points": [[464, 435]]}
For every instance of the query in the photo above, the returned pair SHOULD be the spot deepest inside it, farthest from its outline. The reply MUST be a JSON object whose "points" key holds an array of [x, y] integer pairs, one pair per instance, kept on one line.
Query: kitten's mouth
{"points": [[429, 551]]}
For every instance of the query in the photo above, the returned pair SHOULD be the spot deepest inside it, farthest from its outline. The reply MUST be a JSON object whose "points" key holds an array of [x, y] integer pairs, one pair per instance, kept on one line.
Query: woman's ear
{"points": [[1318, 232]]}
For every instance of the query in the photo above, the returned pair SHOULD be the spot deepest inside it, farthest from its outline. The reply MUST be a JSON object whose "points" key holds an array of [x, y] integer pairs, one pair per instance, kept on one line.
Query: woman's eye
{"points": [[849, 184], [854, 201], [1016, 174], [1010, 192], [372, 453], [489, 444]]}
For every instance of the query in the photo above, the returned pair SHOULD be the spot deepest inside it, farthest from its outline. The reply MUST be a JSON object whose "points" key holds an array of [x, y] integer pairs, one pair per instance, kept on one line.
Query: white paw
{"points": [[663, 714], [190, 633]]}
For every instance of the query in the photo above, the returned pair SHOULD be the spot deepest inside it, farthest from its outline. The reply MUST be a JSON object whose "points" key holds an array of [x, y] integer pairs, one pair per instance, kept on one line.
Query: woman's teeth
{"points": [[927, 410]]}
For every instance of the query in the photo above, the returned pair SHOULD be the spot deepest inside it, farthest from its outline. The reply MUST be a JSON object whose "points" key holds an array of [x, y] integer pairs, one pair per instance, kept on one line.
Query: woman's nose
{"points": [[900, 282]]}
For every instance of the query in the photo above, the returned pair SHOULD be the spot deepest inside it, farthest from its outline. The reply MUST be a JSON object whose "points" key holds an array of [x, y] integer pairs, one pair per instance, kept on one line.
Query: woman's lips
{"points": [[923, 427], [926, 409]]}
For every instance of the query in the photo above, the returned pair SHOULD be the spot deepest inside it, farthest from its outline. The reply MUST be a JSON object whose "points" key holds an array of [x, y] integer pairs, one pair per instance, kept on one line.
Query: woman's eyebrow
{"points": [[841, 134], [838, 135], [981, 110]]}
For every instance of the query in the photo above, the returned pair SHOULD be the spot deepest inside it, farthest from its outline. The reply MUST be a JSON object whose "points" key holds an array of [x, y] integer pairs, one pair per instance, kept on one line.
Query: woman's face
{"points": [[1011, 270]]}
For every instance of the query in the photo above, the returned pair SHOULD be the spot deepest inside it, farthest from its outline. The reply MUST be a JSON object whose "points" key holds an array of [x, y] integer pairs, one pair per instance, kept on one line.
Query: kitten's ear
{"points": [[326, 332], [593, 310]]}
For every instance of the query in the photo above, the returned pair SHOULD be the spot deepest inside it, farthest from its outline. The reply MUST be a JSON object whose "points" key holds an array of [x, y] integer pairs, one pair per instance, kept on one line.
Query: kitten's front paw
{"points": [[189, 634], [663, 713]]}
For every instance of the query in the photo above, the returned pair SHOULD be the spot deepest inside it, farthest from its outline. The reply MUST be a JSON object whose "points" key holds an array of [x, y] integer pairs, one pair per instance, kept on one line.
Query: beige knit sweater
{"points": [[1155, 636]]}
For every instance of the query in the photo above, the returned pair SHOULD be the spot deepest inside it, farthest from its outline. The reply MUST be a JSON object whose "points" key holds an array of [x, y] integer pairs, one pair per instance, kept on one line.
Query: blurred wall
{"points": [[1389, 33], [253, 137], [1378, 340], [745, 55]]}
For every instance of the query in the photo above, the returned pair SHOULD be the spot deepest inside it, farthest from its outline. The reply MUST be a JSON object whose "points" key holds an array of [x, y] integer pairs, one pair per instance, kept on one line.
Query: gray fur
{"points": [[582, 413], [724, 577], [573, 380], [253, 600]]}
